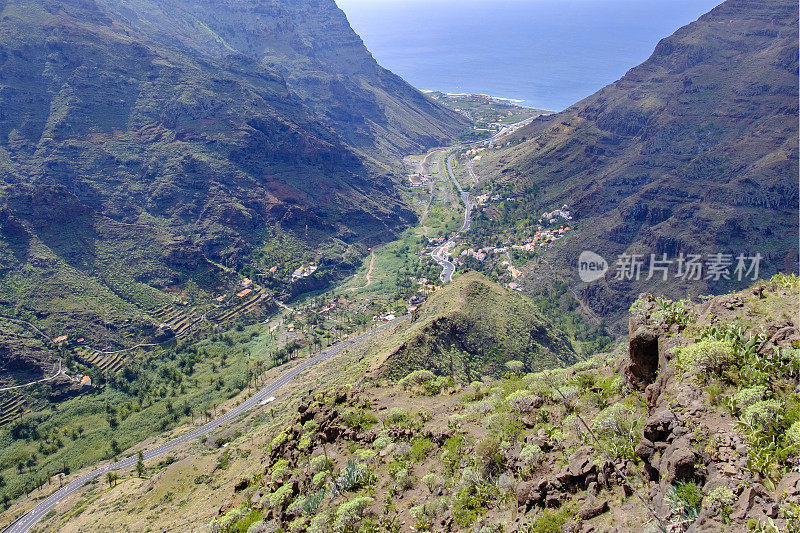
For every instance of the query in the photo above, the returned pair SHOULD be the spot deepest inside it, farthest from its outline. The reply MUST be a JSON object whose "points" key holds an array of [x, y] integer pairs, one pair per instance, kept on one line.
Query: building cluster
{"points": [[481, 254], [542, 238], [474, 152], [425, 288], [553, 216], [304, 271], [418, 180]]}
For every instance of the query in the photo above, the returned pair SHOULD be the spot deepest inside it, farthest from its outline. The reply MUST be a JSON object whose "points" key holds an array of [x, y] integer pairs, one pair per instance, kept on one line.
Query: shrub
{"points": [[359, 418], [456, 421], [319, 478], [784, 281], [350, 513], [427, 382], [367, 456], [489, 454], [352, 477], [749, 396], [685, 498], [433, 482], [620, 429], [403, 480], [721, 500], [417, 378], [398, 418], [319, 463], [313, 501], [522, 401], [423, 519], [530, 455], [705, 357], [793, 434], [298, 525], [515, 366], [383, 440], [279, 439], [281, 496], [763, 414], [420, 448], [551, 520], [668, 312], [279, 469], [258, 527]]}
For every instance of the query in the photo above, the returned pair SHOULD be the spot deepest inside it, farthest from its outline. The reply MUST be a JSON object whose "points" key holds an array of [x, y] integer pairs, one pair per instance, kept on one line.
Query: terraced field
{"points": [[180, 320], [247, 304], [105, 362], [12, 405]]}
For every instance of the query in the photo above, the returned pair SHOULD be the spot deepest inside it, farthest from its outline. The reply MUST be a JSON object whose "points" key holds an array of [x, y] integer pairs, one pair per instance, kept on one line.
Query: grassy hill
{"points": [[472, 327], [694, 151]]}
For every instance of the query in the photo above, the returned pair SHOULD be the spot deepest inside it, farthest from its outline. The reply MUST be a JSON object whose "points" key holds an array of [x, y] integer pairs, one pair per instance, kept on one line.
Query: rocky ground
{"points": [[691, 426]]}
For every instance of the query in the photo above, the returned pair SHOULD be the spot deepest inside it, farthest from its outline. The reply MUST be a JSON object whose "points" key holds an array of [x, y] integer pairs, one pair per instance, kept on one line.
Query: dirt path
{"points": [[369, 274], [371, 268]]}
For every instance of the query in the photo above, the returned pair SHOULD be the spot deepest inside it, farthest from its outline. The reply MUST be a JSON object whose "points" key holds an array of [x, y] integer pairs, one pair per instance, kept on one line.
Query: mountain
{"points": [[471, 328], [694, 151], [145, 145], [321, 58]]}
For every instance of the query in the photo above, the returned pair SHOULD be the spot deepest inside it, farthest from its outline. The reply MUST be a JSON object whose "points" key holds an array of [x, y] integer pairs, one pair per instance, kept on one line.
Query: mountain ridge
{"points": [[693, 151]]}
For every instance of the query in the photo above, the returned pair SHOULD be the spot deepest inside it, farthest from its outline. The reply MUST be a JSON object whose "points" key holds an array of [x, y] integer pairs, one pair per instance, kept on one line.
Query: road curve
{"points": [[439, 254], [27, 521], [59, 372]]}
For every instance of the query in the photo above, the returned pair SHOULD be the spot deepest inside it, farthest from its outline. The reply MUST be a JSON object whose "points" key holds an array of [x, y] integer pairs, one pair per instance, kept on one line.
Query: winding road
{"points": [[440, 254], [27, 521], [59, 372]]}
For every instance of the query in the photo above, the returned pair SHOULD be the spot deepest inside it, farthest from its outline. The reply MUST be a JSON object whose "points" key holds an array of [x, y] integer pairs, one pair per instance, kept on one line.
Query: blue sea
{"points": [[544, 53]]}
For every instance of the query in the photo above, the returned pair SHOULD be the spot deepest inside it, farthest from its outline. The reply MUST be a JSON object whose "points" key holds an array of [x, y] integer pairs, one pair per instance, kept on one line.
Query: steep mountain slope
{"points": [[694, 151], [322, 59], [139, 150]]}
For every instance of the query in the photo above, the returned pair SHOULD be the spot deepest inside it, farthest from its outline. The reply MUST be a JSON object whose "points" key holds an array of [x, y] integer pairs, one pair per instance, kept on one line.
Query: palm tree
{"points": [[140, 464]]}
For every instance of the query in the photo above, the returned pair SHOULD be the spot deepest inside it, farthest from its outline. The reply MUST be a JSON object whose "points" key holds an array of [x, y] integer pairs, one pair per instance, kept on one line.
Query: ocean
{"points": [[544, 53]]}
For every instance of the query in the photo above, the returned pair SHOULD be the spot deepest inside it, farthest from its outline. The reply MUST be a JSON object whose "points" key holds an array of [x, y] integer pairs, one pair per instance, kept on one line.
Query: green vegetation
{"points": [[760, 385], [165, 172], [487, 114], [178, 384], [472, 327]]}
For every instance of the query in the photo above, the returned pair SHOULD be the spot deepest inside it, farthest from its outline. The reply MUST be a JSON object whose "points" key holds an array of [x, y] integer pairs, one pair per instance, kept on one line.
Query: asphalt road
{"points": [[27, 521], [439, 254]]}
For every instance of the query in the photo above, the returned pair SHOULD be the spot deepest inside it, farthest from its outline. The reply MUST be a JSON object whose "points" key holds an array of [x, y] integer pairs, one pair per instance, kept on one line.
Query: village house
{"points": [[304, 271], [480, 255]]}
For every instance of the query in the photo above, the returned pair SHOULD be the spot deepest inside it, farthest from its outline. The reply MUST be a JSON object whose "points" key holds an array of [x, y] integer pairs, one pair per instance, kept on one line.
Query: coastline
{"points": [[515, 101]]}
